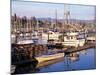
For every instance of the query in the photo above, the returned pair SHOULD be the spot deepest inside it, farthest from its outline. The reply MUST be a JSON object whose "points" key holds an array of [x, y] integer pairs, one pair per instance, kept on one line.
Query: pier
{"points": [[86, 46]]}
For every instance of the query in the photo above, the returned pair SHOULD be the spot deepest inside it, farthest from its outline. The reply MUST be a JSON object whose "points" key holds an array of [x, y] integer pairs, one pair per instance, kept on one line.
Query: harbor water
{"points": [[83, 60]]}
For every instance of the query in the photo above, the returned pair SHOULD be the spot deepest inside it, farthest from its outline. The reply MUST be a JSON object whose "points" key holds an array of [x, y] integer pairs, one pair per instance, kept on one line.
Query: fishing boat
{"points": [[73, 39], [22, 51]]}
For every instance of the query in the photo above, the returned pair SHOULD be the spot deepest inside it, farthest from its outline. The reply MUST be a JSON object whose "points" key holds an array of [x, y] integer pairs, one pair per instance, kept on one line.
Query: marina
{"points": [[52, 44]]}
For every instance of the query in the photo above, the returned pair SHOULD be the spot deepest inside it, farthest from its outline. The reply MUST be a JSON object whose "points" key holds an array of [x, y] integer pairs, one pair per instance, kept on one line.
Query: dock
{"points": [[72, 50]]}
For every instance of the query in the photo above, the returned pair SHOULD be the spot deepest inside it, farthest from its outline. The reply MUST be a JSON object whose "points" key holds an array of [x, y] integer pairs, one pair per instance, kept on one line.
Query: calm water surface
{"points": [[77, 61]]}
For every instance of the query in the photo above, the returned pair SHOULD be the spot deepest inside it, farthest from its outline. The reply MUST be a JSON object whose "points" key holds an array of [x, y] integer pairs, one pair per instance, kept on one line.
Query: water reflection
{"points": [[75, 61], [70, 58], [73, 57], [26, 68]]}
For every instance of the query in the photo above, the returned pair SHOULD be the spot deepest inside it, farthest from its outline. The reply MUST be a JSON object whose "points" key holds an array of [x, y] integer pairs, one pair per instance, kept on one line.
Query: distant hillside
{"points": [[71, 20]]}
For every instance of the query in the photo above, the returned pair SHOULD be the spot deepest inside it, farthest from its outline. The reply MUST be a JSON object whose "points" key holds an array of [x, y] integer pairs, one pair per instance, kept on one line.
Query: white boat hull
{"points": [[74, 43]]}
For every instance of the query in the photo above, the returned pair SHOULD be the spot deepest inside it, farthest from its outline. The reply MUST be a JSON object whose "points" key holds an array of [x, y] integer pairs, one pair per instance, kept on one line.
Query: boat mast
{"points": [[56, 18], [37, 25], [66, 15]]}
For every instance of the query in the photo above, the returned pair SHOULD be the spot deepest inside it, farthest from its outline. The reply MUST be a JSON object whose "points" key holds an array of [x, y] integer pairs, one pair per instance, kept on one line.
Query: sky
{"points": [[45, 10]]}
